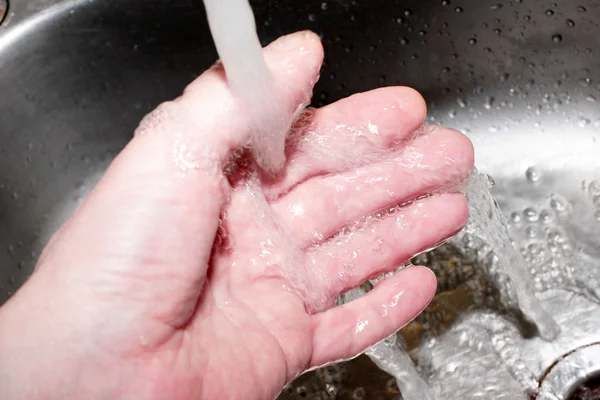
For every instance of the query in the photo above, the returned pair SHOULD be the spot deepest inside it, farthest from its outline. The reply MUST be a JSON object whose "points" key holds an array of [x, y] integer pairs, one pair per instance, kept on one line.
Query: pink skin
{"points": [[147, 293]]}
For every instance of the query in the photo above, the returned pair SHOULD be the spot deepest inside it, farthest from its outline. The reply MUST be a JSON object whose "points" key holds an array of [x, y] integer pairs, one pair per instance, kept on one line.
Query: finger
{"points": [[381, 244], [321, 206], [160, 200], [345, 331], [351, 132]]}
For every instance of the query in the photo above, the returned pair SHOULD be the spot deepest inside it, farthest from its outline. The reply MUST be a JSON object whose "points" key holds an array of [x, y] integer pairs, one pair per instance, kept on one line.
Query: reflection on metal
{"points": [[3, 9]]}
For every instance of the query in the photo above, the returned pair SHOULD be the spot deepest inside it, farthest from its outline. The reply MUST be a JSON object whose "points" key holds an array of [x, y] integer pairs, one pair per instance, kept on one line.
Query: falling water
{"points": [[233, 29], [390, 357], [487, 222]]}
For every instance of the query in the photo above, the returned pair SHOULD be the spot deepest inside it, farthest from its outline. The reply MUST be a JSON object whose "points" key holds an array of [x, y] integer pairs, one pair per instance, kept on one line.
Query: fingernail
{"points": [[295, 41]]}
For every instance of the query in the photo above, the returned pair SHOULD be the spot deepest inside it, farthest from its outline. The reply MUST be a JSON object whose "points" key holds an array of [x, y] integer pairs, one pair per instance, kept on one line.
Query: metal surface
{"points": [[520, 77], [571, 371]]}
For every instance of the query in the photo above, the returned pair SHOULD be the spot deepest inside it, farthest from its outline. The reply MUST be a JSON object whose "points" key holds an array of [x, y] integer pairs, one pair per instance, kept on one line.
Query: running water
{"points": [[390, 357], [233, 29], [487, 222]]}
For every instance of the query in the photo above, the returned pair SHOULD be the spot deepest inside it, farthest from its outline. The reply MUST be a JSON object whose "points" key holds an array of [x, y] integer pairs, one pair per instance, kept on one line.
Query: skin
{"points": [[160, 285]]}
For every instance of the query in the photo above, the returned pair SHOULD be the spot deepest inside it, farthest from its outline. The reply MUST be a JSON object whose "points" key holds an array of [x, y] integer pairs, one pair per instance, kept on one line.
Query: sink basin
{"points": [[519, 77]]}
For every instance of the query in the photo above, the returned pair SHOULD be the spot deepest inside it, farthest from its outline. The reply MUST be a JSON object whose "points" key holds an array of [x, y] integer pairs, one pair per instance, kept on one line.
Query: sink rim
{"points": [[570, 371], [3, 10]]}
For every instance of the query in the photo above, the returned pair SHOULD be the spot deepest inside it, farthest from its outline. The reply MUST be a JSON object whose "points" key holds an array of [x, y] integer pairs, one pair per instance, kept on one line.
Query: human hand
{"points": [[188, 274]]}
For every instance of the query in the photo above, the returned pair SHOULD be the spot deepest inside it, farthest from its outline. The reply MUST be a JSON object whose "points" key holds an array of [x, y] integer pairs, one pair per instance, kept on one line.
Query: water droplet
{"points": [[461, 102], [532, 174], [330, 389], [558, 204], [570, 23], [301, 390], [472, 41], [555, 237], [312, 17], [324, 6], [496, 6], [534, 249], [381, 246], [531, 231], [549, 13], [458, 9], [557, 38], [567, 249], [445, 3], [581, 9], [530, 214], [489, 102], [594, 188], [516, 217], [545, 216], [583, 122]]}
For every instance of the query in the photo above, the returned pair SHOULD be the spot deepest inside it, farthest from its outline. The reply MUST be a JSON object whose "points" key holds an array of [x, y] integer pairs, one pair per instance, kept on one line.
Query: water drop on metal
{"points": [[532, 174]]}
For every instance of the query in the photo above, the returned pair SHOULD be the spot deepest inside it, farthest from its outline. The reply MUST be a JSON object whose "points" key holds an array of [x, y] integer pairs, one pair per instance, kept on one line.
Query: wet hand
{"points": [[189, 274]]}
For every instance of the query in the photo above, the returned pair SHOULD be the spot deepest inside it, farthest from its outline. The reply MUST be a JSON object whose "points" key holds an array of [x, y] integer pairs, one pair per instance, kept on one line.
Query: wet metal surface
{"points": [[519, 77]]}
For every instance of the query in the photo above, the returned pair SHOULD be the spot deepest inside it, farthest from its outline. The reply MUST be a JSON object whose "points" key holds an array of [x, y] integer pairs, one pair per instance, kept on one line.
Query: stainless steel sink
{"points": [[520, 77]]}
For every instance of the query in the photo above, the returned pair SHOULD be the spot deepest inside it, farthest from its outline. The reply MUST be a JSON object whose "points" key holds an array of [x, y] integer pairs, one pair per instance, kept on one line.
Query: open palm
{"points": [[190, 274]]}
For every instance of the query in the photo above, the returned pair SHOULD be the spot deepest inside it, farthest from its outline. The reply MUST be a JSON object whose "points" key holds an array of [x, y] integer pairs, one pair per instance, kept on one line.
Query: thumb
{"points": [[161, 198]]}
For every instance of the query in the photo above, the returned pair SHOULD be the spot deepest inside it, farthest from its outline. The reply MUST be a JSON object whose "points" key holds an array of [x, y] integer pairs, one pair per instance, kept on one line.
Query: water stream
{"points": [[390, 357], [233, 29], [487, 222]]}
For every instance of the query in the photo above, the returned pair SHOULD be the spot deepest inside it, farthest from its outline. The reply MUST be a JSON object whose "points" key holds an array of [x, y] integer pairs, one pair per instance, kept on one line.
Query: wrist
{"points": [[16, 382], [38, 361]]}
